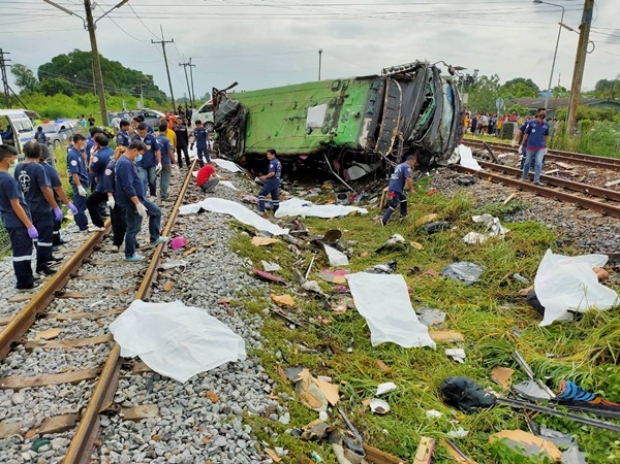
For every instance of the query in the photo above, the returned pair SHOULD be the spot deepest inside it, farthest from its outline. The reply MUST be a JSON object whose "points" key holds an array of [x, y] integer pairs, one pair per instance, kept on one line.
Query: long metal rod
{"points": [[82, 446], [23, 320]]}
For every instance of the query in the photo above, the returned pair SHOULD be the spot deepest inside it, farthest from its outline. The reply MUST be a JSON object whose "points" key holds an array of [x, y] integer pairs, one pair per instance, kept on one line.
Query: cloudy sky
{"points": [[263, 43]]}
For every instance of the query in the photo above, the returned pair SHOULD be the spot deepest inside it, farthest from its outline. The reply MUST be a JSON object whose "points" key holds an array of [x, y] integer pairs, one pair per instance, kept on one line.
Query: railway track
{"points": [[600, 162], [65, 324]]}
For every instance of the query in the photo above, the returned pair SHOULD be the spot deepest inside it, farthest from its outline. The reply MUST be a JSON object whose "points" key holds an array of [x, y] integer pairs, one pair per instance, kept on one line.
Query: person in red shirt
{"points": [[207, 179]]}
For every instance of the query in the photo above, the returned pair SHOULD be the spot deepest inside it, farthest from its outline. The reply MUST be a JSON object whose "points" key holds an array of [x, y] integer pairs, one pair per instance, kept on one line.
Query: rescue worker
{"points": [[122, 136], [117, 213], [17, 221], [40, 136], [130, 194], [37, 189], [98, 164], [90, 143], [401, 179], [272, 183], [167, 159], [182, 134], [78, 179], [201, 135], [535, 143], [150, 163]]}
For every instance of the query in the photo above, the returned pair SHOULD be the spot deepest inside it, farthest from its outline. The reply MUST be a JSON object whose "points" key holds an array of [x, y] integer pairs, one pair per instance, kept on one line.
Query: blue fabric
{"points": [[53, 174], [574, 392], [536, 131], [44, 222], [108, 183], [122, 139], [128, 182], [399, 178], [75, 165], [90, 143], [203, 153], [133, 223], [98, 166], [149, 178], [272, 186], [32, 177], [80, 203], [538, 156], [148, 159], [398, 198], [276, 167], [164, 180], [21, 244], [9, 190], [201, 137], [40, 137], [166, 147]]}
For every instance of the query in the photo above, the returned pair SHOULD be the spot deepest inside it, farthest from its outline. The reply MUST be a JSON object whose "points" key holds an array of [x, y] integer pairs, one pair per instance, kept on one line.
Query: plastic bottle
{"points": [[519, 278]]}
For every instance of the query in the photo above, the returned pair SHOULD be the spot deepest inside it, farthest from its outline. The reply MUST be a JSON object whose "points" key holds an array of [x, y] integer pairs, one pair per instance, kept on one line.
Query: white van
{"points": [[15, 129], [204, 114]]}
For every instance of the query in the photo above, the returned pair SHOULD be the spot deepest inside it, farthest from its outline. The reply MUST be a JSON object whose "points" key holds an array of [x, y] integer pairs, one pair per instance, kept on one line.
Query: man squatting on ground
{"points": [[401, 178]]}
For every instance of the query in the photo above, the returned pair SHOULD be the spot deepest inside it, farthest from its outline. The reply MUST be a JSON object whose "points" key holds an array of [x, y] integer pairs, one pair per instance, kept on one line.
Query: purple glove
{"points": [[33, 232], [58, 214], [72, 208]]}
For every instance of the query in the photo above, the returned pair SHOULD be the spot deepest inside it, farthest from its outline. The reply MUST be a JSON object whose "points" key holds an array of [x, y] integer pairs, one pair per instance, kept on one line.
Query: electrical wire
{"points": [[140, 19]]}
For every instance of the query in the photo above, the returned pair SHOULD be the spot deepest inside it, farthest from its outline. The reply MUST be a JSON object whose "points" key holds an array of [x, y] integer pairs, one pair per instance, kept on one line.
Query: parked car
{"points": [[205, 115], [59, 132]]}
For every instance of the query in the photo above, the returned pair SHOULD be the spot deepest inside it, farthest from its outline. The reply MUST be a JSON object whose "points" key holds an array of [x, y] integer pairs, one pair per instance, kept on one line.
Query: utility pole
{"points": [[192, 95], [5, 81], [320, 56], [185, 65], [90, 25], [580, 64], [163, 43]]}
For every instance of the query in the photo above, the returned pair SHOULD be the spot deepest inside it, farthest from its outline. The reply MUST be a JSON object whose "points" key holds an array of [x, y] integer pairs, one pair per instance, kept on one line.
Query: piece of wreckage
{"points": [[350, 127]]}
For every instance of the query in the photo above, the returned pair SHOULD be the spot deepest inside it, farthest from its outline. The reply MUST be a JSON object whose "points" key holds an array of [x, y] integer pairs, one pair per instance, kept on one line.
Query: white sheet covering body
{"points": [[384, 302], [175, 340], [238, 211], [305, 208], [564, 283], [225, 164], [467, 158]]}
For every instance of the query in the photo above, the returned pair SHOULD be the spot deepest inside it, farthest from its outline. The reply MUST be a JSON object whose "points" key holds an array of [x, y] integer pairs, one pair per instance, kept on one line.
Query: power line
{"points": [[140, 19]]}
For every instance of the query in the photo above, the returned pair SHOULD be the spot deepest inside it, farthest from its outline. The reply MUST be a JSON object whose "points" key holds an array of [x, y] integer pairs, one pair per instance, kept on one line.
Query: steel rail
{"points": [[24, 319], [602, 208], [586, 189], [601, 162], [83, 444]]}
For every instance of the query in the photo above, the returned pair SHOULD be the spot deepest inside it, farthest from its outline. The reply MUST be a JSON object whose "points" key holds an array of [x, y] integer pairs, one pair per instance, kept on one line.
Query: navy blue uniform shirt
{"points": [[398, 180], [75, 165], [201, 137], [108, 183], [276, 167], [99, 162], [31, 177], [165, 146], [53, 174], [90, 143], [40, 137], [128, 183], [537, 130], [122, 138], [9, 190], [148, 159], [522, 129]]}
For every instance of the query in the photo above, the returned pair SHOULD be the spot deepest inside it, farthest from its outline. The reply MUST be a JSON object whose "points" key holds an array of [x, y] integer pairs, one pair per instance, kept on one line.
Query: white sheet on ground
{"points": [[227, 183], [175, 340], [566, 283], [384, 302], [238, 211], [467, 158], [305, 208], [336, 257], [228, 165]]}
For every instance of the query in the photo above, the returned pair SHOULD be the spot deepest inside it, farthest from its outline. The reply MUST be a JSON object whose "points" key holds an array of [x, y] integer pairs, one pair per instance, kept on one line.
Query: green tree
{"points": [[484, 93], [519, 87], [607, 88], [56, 85], [24, 78]]}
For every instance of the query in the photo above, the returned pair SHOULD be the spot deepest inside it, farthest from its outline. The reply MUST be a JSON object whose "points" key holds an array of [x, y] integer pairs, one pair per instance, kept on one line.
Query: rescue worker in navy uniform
{"points": [[90, 142], [117, 213], [41, 138], [78, 179], [182, 133], [37, 189], [401, 178], [272, 183], [167, 160], [99, 162], [201, 134], [130, 195], [122, 137], [17, 220], [150, 163]]}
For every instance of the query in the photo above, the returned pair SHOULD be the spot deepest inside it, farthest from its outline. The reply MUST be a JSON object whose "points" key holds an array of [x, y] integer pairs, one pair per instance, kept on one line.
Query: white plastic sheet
{"points": [[565, 283], [336, 257], [305, 208], [175, 340], [467, 158], [227, 183], [238, 211], [228, 165], [384, 302]]}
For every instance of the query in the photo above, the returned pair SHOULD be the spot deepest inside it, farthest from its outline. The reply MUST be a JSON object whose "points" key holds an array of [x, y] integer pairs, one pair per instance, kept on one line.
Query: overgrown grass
{"points": [[493, 319]]}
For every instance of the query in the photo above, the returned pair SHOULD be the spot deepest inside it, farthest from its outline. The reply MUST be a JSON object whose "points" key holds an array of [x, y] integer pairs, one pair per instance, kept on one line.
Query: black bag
{"points": [[465, 394]]}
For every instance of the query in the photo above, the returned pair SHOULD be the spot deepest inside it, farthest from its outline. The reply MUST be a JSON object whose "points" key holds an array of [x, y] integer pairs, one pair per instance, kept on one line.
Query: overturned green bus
{"points": [[350, 126]]}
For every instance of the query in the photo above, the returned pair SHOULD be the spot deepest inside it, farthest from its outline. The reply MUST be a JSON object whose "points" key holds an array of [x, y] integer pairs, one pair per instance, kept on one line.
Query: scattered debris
{"points": [[465, 394], [268, 276], [304, 208], [493, 225], [48, 334], [283, 300], [431, 317], [438, 226], [612, 183], [272, 454], [458, 433], [169, 285], [372, 293], [467, 158], [334, 277], [511, 197], [571, 454], [466, 181], [416, 245], [379, 406], [177, 243], [395, 243], [533, 445], [228, 165], [519, 278], [316, 393], [387, 387], [475, 238], [385, 268], [172, 263], [456, 453], [426, 219], [424, 453], [502, 376], [175, 340], [432, 414], [336, 258], [458, 354], [447, 336], [269, 266], [466, 272], [263, 241]]}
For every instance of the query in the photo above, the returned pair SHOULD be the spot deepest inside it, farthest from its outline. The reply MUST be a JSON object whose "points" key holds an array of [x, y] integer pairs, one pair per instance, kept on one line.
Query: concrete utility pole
{"points": [[90, 25], [192, 95], [185, 65], [580, 64], [5, 81], [163, 43], [320, 56]]}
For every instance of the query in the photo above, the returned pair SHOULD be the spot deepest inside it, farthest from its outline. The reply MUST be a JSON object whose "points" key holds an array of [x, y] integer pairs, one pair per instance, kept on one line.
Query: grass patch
{"points": [[493, 319]]}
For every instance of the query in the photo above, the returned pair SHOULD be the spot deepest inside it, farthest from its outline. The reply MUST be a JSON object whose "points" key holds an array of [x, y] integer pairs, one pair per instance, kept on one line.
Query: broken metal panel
{"points": [[391, 118]]}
